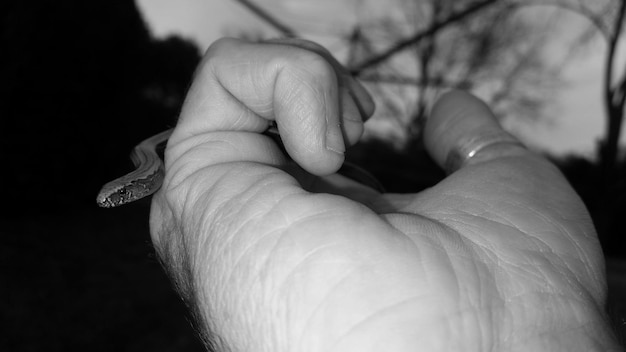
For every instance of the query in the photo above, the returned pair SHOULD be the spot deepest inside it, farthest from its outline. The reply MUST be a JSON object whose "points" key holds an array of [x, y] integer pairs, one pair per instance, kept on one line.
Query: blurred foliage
{"points": [[81, 82], [87, 281], [495, 50]]}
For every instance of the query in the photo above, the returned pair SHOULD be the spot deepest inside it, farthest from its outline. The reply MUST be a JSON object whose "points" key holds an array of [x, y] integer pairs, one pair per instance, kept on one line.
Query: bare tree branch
{"points": [[594, 16], [613, 39], [614, 96], [450, 46], [265, 16], [408, 81], [417, 37]]}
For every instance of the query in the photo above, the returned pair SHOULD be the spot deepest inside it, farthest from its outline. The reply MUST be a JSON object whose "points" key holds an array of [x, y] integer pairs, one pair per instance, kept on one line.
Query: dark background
{"points": [[81, 82]]}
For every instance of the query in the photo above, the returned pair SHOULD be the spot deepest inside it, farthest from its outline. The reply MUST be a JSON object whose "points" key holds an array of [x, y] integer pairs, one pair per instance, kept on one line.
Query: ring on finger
{"points": [[467, 150]]}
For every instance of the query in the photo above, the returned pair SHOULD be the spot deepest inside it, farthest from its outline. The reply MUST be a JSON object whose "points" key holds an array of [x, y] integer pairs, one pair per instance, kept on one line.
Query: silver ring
{"points": [[468, 148]]}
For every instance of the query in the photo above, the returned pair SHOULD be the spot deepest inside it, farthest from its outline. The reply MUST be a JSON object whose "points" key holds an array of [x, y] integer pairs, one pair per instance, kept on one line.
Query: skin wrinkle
{"points": [[209, 190], [492, 217], [558, 327], [257, 119], [226, 178], [479, 303], [534, 295], [535, 273], [257, 190], [519, 269], [577, 244], [172, 257], [232, 149], [299, 222], [538, 272], [172, 176], [322, 101], [479, 273], [476, 244], [526, 333], [304, 128], [435, 213], [243, 252], [385, 311], [212, 227], [345, 81], [255, 241], [439, 243], [247, 120], [178, 171], [200, 177], [214, 99], [210, 231], [183, 283], [526, 301], [295, 266], [257, 77], [191, 198], [198, 268], [469, 245], [308, 255], [219, 64], [472, 311], [249, 78], [320, 213], [378, 314], [242, 120], [299, 340]]}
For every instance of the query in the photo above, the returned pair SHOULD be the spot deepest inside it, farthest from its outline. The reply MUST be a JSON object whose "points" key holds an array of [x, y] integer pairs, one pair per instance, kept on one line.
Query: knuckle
{"points": [[219, 46], [308, 65], [218, 50], [301, 43]]}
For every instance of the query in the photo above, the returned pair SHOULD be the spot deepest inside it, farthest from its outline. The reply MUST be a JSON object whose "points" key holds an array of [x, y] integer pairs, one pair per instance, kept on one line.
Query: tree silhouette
{"points": [[602, 183], [485, 45], [82, 81], [495, 51], [606, 18]]}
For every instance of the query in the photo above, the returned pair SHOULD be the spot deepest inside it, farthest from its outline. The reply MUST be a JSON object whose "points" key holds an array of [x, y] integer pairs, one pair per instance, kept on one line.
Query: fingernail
{"points": [[334, 139], [349, 108]]}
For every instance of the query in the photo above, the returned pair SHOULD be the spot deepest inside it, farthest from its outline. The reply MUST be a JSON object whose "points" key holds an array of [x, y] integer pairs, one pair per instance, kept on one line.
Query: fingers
{"points": [[348, 84], [462, 131], [241, 86]]}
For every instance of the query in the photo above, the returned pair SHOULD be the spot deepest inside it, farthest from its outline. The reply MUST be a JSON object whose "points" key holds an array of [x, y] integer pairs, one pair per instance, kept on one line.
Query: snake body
{"points": [[148, 175], [143, 181]]}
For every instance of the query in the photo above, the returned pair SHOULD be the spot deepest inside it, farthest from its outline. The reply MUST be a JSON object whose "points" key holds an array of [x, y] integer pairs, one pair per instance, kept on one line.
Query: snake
{"points": [[149, 172]]}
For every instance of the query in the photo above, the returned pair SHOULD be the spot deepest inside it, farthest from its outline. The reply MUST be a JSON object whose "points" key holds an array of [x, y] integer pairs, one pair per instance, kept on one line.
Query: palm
{"points": [[274, 258], [471, 244]]}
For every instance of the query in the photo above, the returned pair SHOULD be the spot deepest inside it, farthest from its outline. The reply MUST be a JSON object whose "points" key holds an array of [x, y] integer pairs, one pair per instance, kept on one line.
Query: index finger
{"points": [[242, 86]]}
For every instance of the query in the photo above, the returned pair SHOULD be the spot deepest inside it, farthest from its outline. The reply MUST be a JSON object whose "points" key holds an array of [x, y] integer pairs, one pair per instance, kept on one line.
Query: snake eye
{"points": [[123, 193]]}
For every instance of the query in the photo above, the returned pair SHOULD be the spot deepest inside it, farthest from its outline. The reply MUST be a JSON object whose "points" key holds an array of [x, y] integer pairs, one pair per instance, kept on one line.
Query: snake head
{"points": [[117, 193], [114, 198]]}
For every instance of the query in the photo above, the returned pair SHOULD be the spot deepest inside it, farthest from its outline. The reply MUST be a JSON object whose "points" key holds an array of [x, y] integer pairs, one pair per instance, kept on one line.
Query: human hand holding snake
{"points": [[499, 256]]}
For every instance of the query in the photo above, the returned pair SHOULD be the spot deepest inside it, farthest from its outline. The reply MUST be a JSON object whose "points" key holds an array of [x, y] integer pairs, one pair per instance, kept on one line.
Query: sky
{"points": [[576, 120]]}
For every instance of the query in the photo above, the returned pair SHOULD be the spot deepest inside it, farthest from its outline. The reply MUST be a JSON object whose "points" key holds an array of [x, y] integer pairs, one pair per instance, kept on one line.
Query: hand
{"points": [[501, 255]]}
